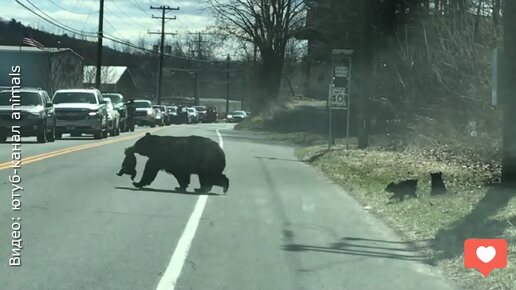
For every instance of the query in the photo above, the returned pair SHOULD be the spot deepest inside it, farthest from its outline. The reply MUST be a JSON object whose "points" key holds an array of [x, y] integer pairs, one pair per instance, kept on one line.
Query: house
{"points": [[113, 79], [50, 69]]}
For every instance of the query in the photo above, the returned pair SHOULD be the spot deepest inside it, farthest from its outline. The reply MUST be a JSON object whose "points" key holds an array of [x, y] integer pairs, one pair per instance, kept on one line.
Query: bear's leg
{"points": [[183, 179], [222, 181], [206, 182], [149, 174]]}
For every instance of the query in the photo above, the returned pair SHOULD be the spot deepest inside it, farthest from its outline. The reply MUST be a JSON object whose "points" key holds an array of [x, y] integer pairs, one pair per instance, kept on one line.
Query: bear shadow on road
{"points": [[367, 248], [149, 189]]}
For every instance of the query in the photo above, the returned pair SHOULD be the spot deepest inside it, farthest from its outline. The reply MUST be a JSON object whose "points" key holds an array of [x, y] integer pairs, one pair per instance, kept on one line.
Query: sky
{"points": [[124, 19]]}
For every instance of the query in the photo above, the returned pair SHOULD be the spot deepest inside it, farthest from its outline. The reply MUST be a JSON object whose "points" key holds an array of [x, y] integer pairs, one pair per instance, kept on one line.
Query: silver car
{"points": [[113, 118]]}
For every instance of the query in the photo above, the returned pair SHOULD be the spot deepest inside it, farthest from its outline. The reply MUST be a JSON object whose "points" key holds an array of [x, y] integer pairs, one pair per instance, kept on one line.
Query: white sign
{"points": [[338, 97], [341, 71]]}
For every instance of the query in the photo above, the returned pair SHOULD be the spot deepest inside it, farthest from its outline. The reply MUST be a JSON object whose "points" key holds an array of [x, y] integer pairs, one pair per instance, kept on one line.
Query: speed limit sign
{"points": [[338, 97]]}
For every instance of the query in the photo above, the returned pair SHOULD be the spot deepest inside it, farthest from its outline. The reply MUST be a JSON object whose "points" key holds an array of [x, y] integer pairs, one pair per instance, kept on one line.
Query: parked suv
{"points": [[118, 101], [37, 115], [80, 111], [144, 114]]}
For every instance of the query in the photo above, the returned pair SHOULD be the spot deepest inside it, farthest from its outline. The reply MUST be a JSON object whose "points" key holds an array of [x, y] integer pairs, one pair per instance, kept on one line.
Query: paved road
{"points": [[282, 225]]}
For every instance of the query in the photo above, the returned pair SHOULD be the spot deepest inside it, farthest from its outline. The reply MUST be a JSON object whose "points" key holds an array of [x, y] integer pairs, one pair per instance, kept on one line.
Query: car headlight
{"points": [[93, 113]]}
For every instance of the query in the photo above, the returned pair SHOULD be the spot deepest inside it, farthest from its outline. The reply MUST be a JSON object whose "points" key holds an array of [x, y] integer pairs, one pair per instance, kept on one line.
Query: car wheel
{"points": [[105, 133], [59, 136], [42, 136], [51, 137], [152, 125], [98, 134]]}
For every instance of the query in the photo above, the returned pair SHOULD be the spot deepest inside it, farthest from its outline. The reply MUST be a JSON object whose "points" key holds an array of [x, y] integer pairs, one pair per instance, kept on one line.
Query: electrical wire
{"points": [[64, 27]]}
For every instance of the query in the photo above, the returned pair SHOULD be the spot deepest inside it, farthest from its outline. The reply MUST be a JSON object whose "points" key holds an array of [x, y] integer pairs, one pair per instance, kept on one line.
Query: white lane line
{"points": [[221, 142], [169, 279]]}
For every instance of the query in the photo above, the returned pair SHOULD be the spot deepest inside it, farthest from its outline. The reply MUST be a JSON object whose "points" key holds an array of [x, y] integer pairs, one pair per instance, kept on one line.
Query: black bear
{"points": [[438, 186], [405, 187], [181, 157], [129, 164]]}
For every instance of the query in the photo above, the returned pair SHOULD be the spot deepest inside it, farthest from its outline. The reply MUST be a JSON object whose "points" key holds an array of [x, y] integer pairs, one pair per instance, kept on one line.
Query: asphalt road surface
{"points": [[282, 225]]}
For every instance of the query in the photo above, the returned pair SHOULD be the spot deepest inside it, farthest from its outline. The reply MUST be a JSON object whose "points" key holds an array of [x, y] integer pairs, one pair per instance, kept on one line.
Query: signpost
{"points": [[339, 91]]}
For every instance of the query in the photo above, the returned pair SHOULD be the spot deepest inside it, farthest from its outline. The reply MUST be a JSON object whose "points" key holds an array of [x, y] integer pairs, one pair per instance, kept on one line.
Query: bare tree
{"points": [[268, 24]]}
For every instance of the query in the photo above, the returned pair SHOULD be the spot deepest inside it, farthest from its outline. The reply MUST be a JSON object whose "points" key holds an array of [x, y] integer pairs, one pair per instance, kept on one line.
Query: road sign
{"points": [[338, 97]]}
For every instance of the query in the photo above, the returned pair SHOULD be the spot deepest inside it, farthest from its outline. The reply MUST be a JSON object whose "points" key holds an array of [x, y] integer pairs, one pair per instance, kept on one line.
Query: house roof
{"points": [[30, 49], [110, 74]]}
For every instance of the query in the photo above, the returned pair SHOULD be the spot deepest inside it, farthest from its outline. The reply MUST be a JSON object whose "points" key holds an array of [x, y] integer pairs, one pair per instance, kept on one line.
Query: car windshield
{"points": [[238, 113], [74, 97], [172, 110], [190, 110], [115, 98], [26, 98], [142, 104], [200, 108]]}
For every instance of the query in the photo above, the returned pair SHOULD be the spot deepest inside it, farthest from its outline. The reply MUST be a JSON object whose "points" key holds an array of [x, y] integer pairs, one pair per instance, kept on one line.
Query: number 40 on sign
{"points": [[338, 97]]}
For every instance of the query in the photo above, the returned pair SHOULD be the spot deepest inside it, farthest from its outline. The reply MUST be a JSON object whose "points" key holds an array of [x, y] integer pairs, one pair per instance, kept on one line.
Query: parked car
{"points": [[192, 115], [144, 114], [119, 103], [172, 113], [211, 115], [80, 111], [182, 115], [236, 116], [201, 112], [164, 112], [37, 115], [113, 118], [159, 118]]}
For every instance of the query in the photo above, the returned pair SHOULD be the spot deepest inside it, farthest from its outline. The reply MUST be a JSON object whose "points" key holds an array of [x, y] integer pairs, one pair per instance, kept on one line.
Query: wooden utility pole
{"points": [[164, 10], [99, 46], [197, 67], [509, 94]]}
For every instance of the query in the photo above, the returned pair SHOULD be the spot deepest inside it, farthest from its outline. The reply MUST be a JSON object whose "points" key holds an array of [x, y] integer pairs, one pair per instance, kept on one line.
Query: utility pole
{"points": [[164, 10], [228, 59], [196, 73], [509, 94], [99, 45]]}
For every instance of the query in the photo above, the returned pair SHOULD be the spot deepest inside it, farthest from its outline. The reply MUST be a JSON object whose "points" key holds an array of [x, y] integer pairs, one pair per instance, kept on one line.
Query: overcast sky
{"points": [[125, 19]]}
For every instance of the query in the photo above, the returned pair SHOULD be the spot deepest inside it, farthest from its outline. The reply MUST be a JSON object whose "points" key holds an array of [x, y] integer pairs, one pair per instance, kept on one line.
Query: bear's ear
{"points": [[147, 134]]}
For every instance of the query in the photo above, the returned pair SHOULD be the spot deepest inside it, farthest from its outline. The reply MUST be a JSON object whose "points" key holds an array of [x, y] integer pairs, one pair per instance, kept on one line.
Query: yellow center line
{"points": [[43, 156]]}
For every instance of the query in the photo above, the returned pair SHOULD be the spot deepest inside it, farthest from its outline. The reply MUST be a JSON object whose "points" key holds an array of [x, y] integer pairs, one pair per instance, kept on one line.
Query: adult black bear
{"points": [[181, 157]]}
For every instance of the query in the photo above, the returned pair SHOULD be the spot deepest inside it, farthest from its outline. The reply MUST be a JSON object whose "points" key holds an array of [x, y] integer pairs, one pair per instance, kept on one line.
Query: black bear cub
{"points": [[182, 157], [402, 188], [129, 164]]}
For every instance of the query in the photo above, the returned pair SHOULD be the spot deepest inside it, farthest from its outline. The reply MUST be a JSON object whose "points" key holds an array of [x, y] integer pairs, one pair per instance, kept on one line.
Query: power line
{"points": [[64, 27], [44, 13], [68, 10], [127, 16]]}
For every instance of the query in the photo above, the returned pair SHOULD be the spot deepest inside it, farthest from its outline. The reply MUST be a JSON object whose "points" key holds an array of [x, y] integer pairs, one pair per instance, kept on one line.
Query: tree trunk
{"points": [[364, 70], [270, 78], [509, 96]]}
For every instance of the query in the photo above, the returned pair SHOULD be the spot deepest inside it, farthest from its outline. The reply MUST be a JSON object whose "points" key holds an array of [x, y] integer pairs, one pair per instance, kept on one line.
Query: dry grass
{"points": [[469, 209]]}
